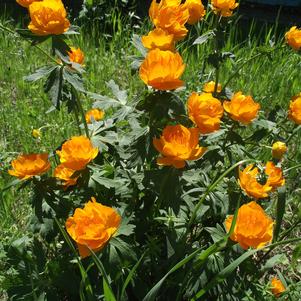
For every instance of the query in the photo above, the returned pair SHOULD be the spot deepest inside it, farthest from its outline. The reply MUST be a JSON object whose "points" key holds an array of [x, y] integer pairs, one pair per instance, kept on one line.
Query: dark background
{"points": [[249, 9]]}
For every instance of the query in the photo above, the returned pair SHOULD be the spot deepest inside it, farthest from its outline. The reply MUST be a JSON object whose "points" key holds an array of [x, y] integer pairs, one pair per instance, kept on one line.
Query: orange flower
{"points": [[253, 227], [205, 111], [171, 16], [223, 7], [196, 11], [209, 87], [278, 150], [275, 176], [77, 152], [28, 166], [277, 287], [293, 38], [96, 114], [162, 70], [76, 55], [66, 175], [178, 144], [26, 3], [295, 109], [248, 182], [92, 226], [48, 17], [159, 38], [242, 108]]}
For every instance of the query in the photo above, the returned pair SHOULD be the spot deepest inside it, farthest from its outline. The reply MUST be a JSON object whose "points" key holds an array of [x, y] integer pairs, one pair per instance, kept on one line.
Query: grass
{"points": [[24, 106]]}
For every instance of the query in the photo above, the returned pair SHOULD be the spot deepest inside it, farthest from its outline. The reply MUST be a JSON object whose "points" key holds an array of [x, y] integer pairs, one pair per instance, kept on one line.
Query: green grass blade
{"points": [[279, 211], [108, 292], [130, 275]]}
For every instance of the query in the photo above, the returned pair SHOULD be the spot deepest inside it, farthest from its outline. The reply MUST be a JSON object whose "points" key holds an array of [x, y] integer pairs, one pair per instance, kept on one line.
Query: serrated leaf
{"points": [[136, 41], [74, 79], [296, 255], [121, 95], [39, 73], [204, 38]]}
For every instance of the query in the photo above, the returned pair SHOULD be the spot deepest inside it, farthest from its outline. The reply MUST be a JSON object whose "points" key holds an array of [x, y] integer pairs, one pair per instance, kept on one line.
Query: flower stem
{"points": [[81, 111]]}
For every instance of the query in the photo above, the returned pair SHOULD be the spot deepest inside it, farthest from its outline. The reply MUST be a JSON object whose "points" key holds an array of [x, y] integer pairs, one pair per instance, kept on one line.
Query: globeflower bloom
{"points": [[295, 109], [275, 175], [177, 145], [223, 7], [26, 3], [66, 175], [248, 181], [171, 16], [48, 17], [92, 226], [196, 11], [242, 108], [159, 38], [28, 166], [293, 38], [95, 114], [162, 70], [76, 55], [253, 227], [277, 287], [77, 152], [36, 133], [205, 111], [278, 150], [209, 87]]}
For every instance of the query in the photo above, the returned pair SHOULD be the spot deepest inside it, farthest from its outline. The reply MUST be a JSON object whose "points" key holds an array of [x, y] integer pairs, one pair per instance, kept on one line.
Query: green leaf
{"points": [[109, 295], [296, 255], [54, 86], [279, 211], [136, 41], [121, 95], [204, 38], [152, 294], [39, 73], [74, 79], [131, 275]]}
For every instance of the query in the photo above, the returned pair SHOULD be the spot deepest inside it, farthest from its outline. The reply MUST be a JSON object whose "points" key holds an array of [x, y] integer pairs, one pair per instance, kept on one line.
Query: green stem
{"points": [[77, 120], [36, 46], [81, 111], [209, 189]]}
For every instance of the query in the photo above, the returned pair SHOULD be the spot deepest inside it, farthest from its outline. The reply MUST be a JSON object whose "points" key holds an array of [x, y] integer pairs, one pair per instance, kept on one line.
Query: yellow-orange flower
{"points": [[77, 152], [66, 175], [159, 38], [36, 133], [76, 55], [253, 227], [162, 70], [277, 287], [242, 108], [177, 145], [171, 16], [205, 111], [28, 166], [248, 180], [96, 114], [48, 17], [223, 7], [209, 87], [92, 226], [293, 38], [196, 11], [295, 109], [26, 3], [278, 150], [275, 176]]}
